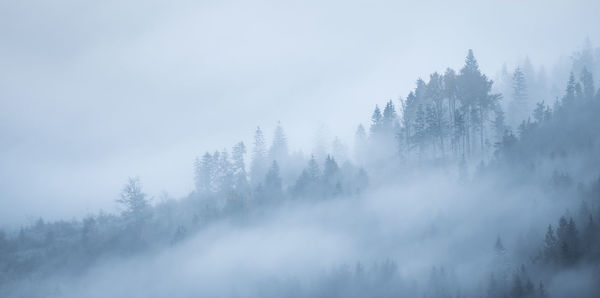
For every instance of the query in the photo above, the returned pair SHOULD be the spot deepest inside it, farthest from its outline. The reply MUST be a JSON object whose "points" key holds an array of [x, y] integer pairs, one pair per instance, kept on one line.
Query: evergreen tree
{"points": [[499, 125], [258, 166], [273, 188], [313, 169], [376, 121], [519, 106], [474, 94], [389, 119], [309, 182], [550, 245], [588, 84], [360, 144], [240, 178], [224, 179], [204, 173], [570, 91], [539, 113], [450, 92], [331, 175], [279, 148], [420, 133]]}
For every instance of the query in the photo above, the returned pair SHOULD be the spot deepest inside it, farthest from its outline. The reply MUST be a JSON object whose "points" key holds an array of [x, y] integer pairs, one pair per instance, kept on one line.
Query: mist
{"points": [[305, 149]]}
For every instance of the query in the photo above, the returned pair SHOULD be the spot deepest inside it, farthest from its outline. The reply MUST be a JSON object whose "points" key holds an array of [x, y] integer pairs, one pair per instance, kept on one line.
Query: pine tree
{"points": [[240, 178], [474, 94], [224, 179], [279, 148], [550, 245], [376, 121], [204, 173], [389, 119], [360, 144], [499, 125], [539, 113], [258, 166], [570, 91], [588, 84], [435, 93], [420, 132], [273, 182], [519, 105], [331, 172], [313, 169]]}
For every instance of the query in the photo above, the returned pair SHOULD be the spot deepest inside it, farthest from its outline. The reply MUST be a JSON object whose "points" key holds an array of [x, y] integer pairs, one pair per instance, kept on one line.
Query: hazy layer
{"points": [[93, 93]]}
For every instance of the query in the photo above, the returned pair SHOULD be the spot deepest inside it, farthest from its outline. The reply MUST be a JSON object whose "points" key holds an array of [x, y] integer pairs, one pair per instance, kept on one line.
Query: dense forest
{"points": [[507, 175]]}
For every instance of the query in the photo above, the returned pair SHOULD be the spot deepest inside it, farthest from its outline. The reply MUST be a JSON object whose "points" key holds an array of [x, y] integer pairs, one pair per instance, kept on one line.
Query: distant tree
{"points": [[435, 93], [204, 173], [550, 245], [420, 132], [309, 183], [313, 169], [258, 166], [279, 148], [360, 144], [224, 173], [499, 123], [587, 80], [450, 92], [331, 173], [590, 238], [388, 121], [376, 121], [474, 94], [272, 185], [539, 113], [134, 201], [568, 241], [240, 178], [519, 107], [570, 93]]}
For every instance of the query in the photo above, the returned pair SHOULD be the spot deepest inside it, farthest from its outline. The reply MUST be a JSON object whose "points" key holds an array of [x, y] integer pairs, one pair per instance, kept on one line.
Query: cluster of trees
{"points": [[453, 117], [275, 174]]}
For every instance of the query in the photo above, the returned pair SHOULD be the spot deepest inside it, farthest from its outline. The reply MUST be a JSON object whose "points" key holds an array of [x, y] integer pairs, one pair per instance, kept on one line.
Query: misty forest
{"points": [[470, 185]]}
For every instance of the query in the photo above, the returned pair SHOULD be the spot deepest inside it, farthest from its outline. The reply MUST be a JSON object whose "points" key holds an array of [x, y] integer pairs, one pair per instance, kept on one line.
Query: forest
{"points": [[464, 187]]}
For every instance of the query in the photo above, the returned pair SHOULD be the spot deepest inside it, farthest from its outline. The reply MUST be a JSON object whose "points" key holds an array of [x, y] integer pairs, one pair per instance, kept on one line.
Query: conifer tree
{"points": [[240, 179], [588, 84], [376, 121], [360, 144], [279, 148], [258, 166]]}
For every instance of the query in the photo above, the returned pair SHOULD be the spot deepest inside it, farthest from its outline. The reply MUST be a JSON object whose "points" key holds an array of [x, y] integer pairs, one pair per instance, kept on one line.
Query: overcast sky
{"points": [[92, 92]]}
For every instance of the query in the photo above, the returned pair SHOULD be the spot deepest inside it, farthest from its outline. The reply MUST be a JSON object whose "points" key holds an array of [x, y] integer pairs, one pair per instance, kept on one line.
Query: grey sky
{"points": [[91, 93]]}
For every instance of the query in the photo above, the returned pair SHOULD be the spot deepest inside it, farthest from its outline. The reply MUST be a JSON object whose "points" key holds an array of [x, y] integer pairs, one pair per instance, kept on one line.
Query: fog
{"points": [[276, 252], [93, 93], [299, 149]]}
